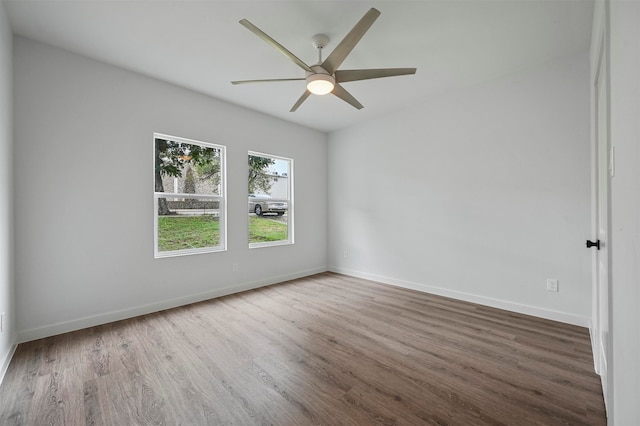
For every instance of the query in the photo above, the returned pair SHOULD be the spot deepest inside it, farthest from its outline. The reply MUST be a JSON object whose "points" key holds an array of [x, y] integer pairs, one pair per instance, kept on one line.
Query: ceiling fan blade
{"points": [[343, 76], [299, 102], [257, 31], [347, 44], [268, 80], [340, 92]]}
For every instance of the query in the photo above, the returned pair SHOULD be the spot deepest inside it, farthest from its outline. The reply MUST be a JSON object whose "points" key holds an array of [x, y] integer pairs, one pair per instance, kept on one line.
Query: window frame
{"points": [[290, 204], [221, 198]]}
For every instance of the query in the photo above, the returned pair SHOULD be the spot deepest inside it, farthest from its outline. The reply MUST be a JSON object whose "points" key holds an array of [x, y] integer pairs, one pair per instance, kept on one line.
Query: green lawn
{"points": [[264, 229], [187, 232]]}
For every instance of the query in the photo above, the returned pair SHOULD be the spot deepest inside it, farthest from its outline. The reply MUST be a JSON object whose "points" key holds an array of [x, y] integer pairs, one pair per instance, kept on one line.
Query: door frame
{"points": [[601, 315]]}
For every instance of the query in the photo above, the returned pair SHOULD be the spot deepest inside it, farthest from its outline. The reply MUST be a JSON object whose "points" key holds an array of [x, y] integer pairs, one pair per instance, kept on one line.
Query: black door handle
{"points": [[593, 244]]}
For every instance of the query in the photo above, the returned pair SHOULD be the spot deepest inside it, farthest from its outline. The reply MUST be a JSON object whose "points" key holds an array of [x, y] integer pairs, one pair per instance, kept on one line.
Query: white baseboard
{"points": [[103, 318], [6, 361], [473, 298], [107, 317]]}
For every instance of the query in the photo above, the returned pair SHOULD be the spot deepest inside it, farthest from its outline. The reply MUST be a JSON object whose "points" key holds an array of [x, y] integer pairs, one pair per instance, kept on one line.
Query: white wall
{"points": [[84, 234], [7, 303], [625, 210], [481, 194]]}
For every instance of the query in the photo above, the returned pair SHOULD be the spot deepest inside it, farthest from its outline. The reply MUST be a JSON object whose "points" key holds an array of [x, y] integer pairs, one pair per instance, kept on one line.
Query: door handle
{"points": [[593, 244]]}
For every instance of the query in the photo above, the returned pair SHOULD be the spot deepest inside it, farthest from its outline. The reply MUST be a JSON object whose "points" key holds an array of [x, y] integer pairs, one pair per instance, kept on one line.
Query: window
{"points": [[189, 196], [270, 200]]}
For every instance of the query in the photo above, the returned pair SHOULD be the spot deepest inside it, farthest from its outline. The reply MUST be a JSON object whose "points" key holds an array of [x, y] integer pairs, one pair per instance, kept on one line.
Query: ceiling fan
{"points": [[325, 77]]}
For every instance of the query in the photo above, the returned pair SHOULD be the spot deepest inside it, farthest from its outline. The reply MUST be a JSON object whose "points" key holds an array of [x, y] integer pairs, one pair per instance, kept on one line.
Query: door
{"points": [[601, 258]]}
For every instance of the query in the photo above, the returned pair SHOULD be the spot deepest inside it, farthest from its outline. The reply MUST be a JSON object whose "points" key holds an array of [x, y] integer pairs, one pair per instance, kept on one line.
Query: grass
{"points": [[262, 230], [187, 232]]}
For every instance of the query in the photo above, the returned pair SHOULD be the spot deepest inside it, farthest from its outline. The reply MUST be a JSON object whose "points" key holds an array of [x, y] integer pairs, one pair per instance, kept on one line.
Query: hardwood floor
{"points": [[326, 349]]}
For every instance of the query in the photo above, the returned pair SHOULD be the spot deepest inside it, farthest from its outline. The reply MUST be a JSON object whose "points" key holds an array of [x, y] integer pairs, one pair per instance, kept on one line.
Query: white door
{"points": [[603, 172]]}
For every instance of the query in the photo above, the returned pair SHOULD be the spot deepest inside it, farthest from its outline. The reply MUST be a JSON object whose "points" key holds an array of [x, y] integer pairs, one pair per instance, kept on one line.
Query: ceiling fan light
{"points": [[320, 84]]}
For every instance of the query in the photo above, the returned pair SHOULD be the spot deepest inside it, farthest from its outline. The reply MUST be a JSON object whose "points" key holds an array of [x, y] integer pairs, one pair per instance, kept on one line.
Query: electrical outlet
{"points": [[552, 284], [235, 267], [2, 322], [345, 254]]}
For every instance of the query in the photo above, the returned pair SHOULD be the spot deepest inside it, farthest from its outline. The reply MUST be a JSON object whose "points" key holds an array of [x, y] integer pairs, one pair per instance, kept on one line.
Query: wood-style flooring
{"points": [[326, 349]]}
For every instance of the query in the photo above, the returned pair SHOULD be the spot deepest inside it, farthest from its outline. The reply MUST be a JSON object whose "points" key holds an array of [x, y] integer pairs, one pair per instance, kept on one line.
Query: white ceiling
{"points": [[200, 45]]}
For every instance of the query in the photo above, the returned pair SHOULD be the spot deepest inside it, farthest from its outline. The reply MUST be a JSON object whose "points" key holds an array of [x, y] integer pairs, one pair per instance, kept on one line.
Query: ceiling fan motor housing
{"points": [[320, 82], [317, 69]]}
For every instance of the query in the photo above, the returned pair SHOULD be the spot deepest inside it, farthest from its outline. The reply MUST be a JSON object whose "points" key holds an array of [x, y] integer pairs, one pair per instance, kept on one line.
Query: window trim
{"points": [[222, 199], [290, 205]]}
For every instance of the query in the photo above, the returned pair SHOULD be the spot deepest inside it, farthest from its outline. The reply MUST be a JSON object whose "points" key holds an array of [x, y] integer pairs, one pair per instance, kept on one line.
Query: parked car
{"points": [[261, 204]]}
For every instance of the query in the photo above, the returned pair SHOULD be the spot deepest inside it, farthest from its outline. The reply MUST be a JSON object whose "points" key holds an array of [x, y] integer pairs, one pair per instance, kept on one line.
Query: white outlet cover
{"points": [[552, 284]]}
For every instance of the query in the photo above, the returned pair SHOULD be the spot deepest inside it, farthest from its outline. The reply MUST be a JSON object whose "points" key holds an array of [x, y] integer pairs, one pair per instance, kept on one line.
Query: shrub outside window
{"points": [[189, 196], [270, 200]]}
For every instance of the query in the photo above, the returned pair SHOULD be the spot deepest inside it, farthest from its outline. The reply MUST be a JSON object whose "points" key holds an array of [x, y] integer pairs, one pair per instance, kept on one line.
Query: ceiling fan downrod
{"points": [[319, 41]]}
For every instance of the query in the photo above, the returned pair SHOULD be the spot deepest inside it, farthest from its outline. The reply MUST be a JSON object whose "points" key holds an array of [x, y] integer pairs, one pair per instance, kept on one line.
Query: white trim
{"points": [[270, 244], [473, 298], [222, 207], [185, 140], [264, 154], [290, 204], [594, 347], [6, 361], [187, 252], [107, 317], [597, 57]]}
